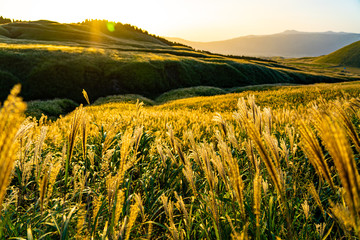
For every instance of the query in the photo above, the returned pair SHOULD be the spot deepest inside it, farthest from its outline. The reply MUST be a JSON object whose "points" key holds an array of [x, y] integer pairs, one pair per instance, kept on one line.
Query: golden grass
{"points": [[11, 117], [312, 149], [151, 172]]}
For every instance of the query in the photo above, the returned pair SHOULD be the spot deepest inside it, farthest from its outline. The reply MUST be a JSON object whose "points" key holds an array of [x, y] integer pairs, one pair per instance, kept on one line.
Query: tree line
{"points": [[118, 26], [4, 20]]}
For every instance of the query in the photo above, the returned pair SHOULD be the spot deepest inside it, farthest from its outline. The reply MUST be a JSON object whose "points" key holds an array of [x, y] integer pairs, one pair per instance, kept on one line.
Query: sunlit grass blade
{"points": [[75, 125], [312, 149], [336, 142], [11, 117]]}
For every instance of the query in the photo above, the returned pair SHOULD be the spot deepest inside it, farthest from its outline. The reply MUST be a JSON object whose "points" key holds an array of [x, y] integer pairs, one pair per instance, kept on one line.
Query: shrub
{"points": [[51, 108], [189, 92]]}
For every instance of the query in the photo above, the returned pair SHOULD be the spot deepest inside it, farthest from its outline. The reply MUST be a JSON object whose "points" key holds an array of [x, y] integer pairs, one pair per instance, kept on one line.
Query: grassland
{"points": [[275, 160], [260, 164], [346, 56], [315, 65], [271, 96], [53, 60], [343, 62]]}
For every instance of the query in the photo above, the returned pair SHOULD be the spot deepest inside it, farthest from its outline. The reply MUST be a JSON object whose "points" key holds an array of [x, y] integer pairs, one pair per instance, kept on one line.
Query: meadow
{"points": [[60, 71], [271, 163], [54, 60]]}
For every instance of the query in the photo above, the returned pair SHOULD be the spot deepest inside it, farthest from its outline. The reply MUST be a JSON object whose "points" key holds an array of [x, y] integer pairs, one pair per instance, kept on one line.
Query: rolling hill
{"points": [[286, 44], [95, 31], [346, 56], [53, 60]]}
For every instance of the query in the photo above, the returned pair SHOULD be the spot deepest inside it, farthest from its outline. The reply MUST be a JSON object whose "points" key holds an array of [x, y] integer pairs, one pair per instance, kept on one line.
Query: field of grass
{"points": [[346, 56], [189, 92], [272, 96], [53, 60], [49, 72], [274, 164], [315, 65]]}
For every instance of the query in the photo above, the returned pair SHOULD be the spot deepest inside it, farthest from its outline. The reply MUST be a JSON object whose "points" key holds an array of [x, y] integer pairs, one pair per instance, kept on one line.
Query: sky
{"points": [[198, 20]]}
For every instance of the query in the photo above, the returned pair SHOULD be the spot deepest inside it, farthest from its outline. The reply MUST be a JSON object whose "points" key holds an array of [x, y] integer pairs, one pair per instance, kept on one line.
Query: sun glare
{"points": [[110, 26]]}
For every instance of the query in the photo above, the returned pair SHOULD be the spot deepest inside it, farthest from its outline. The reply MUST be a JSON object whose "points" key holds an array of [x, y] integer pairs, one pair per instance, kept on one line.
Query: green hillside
{"points": [[53, 60], [94, 31], [346, 56]]}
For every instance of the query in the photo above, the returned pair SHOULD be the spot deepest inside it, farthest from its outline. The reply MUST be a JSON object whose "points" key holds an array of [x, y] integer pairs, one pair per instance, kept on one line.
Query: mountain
{"points": [[54, 60], [290, 43], [346, 56]]}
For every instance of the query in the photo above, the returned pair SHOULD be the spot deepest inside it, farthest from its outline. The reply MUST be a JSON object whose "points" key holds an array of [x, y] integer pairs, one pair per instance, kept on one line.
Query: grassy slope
{"points": [[346, 56], [274, 97], [189, 92], [53, 60], [210, 98], [95, 32], [160, 171]]}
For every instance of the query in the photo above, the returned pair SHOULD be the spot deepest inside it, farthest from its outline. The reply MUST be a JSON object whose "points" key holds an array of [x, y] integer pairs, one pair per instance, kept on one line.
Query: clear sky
{"points": [[198, 20]]}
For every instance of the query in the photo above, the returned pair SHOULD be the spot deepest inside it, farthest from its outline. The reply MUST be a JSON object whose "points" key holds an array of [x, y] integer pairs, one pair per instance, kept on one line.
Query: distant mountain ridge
{"points": [[290, 43]]}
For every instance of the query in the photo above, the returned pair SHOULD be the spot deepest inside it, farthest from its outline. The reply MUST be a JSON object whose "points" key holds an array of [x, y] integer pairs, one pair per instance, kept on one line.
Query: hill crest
{"points": [[346, 56], [98, 31]]}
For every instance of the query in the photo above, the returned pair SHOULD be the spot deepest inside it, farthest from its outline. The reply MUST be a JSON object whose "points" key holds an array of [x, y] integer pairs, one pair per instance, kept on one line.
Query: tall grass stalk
{"points": [[11, 117], [252, 123], [75, 125], [312, 149], [336, 142], [257, 202]]}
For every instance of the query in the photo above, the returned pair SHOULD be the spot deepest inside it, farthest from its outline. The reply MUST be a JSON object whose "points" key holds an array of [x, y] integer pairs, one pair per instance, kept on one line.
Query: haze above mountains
{"points": [[288, 44]]}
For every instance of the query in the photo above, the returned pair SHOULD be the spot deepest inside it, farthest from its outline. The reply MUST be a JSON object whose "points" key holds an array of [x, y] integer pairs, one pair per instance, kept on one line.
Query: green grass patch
{"points": [[127, 98], [346, 56], [50, 108], [261, 87], [189, 92]]}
